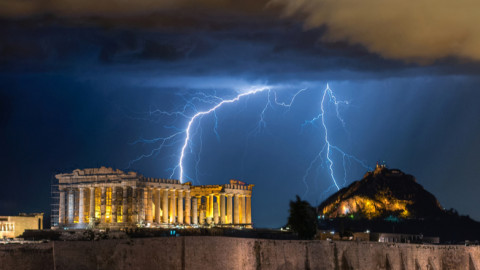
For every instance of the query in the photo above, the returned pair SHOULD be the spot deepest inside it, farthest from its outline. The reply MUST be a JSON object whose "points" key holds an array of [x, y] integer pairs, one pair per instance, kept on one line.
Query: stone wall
{"points": [[235, 253], [27, 257]]}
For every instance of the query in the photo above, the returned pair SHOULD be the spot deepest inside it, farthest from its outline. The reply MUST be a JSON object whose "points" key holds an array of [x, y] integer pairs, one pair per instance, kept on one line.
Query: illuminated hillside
{"points": [[382, 193]]}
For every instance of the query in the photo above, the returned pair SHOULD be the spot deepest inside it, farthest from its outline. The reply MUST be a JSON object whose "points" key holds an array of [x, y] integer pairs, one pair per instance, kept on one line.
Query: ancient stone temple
{"points": [[107, 198], [14, 226]]}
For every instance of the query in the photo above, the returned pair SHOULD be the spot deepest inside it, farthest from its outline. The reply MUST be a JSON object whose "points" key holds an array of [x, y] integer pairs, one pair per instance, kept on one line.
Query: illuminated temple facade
{"points": [[107, 198]]}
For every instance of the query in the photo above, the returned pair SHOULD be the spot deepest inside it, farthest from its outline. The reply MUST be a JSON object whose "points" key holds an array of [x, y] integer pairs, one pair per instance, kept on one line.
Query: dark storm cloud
{"points": [[112, 8], [257, 50], [413, 31]]}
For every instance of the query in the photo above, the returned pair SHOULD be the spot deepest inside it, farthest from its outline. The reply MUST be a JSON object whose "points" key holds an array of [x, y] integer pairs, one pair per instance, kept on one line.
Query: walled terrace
{"points": [[211, 252]]}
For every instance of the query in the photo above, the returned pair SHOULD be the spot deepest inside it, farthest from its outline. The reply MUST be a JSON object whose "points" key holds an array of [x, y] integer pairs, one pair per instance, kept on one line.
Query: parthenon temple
{"points": [[108, 198]]}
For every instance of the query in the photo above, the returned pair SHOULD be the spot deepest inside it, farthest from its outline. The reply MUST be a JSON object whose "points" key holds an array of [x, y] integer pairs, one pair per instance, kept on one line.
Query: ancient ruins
{"points": [[108, 198], [14, 226]]}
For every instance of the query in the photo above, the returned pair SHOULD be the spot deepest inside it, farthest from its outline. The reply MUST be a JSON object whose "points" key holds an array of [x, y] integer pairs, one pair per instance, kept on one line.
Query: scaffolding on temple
{"points": [[54, 202]]}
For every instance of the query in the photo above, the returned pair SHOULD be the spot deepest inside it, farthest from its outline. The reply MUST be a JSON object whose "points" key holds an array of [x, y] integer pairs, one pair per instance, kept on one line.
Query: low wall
{"points": [[198, 252]]}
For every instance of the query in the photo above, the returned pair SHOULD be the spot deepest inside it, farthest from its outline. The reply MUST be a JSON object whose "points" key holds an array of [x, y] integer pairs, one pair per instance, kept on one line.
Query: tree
{"points": [[302, 219]]}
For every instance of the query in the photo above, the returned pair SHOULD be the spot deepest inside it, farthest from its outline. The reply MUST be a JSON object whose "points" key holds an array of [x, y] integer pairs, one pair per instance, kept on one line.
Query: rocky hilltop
{"points": [[380, 194]]}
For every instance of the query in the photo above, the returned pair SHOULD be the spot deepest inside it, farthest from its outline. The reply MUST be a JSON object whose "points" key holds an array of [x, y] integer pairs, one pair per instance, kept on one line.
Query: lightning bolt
{"points": [[188, 132], [193, 116], [328, 148], [202, 113]]}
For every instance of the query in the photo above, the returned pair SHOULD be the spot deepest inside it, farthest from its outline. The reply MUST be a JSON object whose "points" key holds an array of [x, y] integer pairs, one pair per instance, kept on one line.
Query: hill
{"points": [[382, 193], [388, 200]]}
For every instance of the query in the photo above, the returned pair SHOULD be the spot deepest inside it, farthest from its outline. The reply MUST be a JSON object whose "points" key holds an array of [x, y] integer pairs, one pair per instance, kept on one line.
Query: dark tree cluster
{"points": [[302, 219]]}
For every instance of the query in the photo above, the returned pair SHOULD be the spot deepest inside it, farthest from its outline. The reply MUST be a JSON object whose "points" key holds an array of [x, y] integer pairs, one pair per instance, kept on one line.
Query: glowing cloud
{"points": [[412, 30]]}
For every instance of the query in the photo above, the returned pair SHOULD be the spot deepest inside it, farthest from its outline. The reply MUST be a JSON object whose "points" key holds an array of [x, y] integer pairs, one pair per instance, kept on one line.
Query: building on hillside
{"points": [[14, 226], [107, 198], [377, 237], [403, 238], [333, 235]]}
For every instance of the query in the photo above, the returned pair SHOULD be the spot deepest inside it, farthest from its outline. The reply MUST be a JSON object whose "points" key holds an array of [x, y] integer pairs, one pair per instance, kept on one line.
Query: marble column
{"points": [[103, 204], [92, 206], [199, 203], [180, 207], [172, 207], [243, 211], [217, 198], [207, 204], [125, 204], [249, 209], [114, 204], [202, 217], [143, 202], [210, 209], [149, 214], [61, 208], [134, 204], [71, 205], [215, 212], [229, 209], [165, 206], [194, 211], [236, 217], [187, 207], [81, 205], [158, 201], [222, 209]]}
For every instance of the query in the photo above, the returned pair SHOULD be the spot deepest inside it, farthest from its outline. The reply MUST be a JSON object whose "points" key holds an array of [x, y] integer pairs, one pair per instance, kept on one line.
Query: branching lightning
{"points": [[328, 148], [193, 116], [202, 113], [188, 133]]}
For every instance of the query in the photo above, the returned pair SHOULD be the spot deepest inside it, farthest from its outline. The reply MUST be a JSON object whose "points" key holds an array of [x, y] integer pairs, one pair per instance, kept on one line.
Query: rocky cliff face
{"points": [[382, 193]]}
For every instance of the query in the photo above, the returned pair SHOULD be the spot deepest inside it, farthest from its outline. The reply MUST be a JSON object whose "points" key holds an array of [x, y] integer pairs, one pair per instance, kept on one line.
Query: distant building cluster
{"points": [[404, 238], [378, 237], [108, 198], [14, 226]]}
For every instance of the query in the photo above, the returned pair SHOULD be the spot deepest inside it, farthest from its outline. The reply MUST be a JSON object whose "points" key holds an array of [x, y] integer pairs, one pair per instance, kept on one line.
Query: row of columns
{"points": [[228, 208], [7, 227], [168, 208], [67, 204]]}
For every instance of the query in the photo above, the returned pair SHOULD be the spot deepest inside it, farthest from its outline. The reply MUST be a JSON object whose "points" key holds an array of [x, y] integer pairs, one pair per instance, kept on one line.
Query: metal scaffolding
{"points": [[55, 202]]}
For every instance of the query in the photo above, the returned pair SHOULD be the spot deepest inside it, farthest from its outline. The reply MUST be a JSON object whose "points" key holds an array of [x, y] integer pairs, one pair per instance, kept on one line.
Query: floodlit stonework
{"points": [[107, 198], [14, 226]]}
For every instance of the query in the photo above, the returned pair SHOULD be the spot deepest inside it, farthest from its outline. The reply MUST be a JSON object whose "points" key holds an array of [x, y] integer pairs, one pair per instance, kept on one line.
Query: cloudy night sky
{"points": [[115, 83]]}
